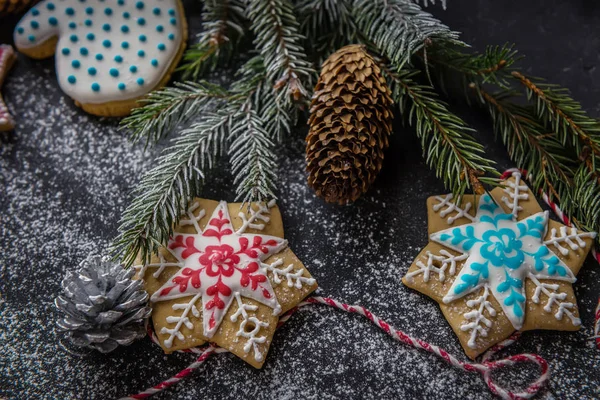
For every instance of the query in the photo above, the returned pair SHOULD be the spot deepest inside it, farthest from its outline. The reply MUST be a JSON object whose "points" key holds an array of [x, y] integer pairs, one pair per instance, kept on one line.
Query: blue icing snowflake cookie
{"points": [[109, 53]]}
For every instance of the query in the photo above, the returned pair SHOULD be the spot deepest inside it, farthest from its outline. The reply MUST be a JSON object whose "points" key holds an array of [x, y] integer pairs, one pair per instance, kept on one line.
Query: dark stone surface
{"points": [[65, 177]]}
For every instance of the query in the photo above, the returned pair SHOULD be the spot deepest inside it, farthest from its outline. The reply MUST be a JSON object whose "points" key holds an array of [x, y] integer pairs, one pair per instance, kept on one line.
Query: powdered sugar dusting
{"points": [[66, 178]]}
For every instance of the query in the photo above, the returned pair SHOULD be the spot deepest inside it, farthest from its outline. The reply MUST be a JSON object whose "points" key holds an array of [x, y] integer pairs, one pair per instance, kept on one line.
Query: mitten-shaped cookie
{"points": [[109, 53]]}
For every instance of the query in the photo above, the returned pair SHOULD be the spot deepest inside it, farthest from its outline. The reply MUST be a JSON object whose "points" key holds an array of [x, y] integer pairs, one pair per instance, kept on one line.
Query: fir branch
{"points": [[164, 109], [165, 190], [530, 144], [280, 43], [448, 146], [569, 121], [399, 28], [222, 21], [491, 66], [276, 113], [326, 24], [548, 138]]}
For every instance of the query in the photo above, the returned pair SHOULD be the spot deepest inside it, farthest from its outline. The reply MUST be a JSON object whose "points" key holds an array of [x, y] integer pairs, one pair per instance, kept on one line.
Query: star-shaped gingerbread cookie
{"points": [[496, 263], [225, 279]]}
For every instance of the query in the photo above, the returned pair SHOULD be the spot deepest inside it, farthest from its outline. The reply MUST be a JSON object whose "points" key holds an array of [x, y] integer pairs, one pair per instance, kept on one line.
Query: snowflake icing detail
{"points": [[502, 254], [218, 265]]}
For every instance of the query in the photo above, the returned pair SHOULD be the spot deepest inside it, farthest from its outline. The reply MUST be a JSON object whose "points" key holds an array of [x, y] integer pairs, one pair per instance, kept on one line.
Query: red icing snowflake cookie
{"points": [[225, 279]]}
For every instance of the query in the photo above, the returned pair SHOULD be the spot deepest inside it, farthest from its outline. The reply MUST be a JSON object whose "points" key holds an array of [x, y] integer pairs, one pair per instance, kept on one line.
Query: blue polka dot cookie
{"points": [[109, 53]]}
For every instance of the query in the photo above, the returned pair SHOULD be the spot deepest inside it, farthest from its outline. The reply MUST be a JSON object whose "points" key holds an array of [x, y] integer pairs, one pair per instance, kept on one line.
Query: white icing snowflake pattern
{"points": [[218, 265]]}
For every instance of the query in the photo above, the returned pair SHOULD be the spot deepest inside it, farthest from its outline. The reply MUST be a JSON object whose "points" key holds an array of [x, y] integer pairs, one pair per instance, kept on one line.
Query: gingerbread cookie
{"points": [[109, 53], [225, 280], [7, 59], [497, 264]]}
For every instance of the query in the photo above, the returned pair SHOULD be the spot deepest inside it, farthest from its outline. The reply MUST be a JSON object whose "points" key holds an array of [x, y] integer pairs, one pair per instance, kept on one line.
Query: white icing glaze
{"points": [[478, 324], [444, 260], [161, 265], [108, 50], [573, 239], [251, 335], [293, 278], [551, 290], [259, 214], [451, 207], [515, 192]]}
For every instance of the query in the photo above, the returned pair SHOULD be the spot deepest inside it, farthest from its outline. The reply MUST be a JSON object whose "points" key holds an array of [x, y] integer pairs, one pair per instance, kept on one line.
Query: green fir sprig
{"points": [[575, 130], [490, 66], [328, 23], [549, 135], [252, 158], [252, 151], [586, 210], [569, 121], [235, 126]]}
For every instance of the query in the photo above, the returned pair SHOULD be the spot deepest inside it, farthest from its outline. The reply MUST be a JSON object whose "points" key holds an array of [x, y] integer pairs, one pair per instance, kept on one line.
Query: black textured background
{"points": [[65, 178]]}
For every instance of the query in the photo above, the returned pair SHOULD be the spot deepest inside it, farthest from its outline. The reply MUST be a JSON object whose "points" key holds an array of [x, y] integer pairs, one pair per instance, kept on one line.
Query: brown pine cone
{"points": [[350, 121]]}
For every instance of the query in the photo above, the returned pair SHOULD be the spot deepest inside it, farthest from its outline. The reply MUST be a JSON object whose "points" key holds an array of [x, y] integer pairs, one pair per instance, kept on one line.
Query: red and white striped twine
{"points": [[565, 220], [485, 368]]}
